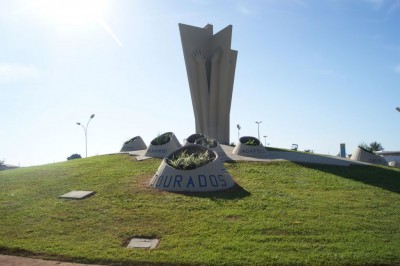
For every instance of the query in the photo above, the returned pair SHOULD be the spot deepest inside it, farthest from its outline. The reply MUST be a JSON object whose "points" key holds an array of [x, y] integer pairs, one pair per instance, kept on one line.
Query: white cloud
{"points": [[13, 72]]}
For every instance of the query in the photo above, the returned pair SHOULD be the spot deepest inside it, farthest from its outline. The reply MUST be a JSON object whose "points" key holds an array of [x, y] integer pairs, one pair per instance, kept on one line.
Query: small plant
{"points": [[209, 143], [194, 137], [251, 141], [162, 139], [189, 160], [131, 140]]}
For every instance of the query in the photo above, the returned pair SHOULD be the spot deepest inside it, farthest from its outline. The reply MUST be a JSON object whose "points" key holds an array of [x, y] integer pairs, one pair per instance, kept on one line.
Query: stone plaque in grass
{"points": [[249, 146], [192, 168], [77, 194], [134, 144], [163, 145], [143, 243]]}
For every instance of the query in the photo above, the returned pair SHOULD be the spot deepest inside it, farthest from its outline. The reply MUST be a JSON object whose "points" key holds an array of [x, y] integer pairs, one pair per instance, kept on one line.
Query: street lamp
{"points": [[85, 130], [265, 142], [238, 127], [258, 123]]}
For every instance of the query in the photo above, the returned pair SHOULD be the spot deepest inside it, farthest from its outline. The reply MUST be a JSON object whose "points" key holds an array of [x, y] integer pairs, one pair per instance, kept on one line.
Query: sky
{"points": [[317, 73]]}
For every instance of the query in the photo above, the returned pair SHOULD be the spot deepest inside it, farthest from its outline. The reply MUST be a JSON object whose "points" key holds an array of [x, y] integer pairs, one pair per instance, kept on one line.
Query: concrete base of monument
{"points": [[134, 144], [273, 156], [161, 146], [160, 151], [212, 176], [250, 147], [298, 157], [363, 155], [217, 147], [258, 151]]}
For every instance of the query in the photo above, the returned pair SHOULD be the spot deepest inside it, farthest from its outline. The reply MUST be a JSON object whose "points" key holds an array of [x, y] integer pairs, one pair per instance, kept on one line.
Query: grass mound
{"points": [[281, 213]]}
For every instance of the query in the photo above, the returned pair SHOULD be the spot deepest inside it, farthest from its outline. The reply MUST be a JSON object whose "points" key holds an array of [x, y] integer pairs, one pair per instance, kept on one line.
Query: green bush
{"points": [[74, 156]]}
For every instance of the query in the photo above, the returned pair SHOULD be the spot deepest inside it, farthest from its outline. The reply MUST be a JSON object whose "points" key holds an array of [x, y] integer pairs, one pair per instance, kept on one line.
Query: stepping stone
{"points": [[77, 194], [143, 243]]}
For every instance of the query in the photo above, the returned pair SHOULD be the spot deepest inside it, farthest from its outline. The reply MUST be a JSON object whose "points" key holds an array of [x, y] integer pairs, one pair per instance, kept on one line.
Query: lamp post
{"points": [[265, 141], [238, 127], [258, 124], [85, 130]]}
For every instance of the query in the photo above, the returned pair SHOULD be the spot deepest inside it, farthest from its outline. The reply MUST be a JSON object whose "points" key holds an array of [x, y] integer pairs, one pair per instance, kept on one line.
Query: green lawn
{"points": [[282, 213]]}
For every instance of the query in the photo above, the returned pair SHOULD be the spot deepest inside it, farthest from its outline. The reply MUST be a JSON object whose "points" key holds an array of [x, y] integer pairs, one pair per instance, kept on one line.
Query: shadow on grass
{"points": [[236, 192], [378, 176]]}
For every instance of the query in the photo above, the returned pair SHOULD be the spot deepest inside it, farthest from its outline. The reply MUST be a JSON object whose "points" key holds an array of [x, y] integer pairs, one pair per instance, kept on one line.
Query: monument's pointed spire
{"points": [[210, 66]]}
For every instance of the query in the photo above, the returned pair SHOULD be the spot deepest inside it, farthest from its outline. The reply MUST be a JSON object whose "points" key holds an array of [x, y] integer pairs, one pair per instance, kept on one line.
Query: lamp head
{"points": [[91, 116], [78, 123], [398, 109]]}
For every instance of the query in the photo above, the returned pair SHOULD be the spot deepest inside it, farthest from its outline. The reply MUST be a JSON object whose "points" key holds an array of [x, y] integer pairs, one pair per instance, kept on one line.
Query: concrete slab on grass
{"points": [[77, 194], [144, 243]]}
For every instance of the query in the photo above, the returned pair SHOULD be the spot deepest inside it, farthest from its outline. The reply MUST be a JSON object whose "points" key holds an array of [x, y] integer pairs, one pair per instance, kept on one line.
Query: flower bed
{"points": [[162, 145], [192, 168], [134, 144], [250, 146]]}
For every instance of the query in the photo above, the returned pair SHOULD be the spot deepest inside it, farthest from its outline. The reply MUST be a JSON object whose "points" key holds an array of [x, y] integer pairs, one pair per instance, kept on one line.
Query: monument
{"points": [[363, 155], [210, 66], [192, 168]]}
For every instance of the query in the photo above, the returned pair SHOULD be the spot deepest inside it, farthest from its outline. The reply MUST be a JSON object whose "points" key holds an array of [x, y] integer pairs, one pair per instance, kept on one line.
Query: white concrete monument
{"points": [[181, 171], [162, 145], [210, 66], [250, 147], [134, 144], [363, 155]]}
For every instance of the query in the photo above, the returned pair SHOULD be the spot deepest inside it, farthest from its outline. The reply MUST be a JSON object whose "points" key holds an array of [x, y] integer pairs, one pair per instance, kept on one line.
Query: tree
{"points": [[364, 145], [74, 156], [2, 162], [375, 146], [372, 147]]}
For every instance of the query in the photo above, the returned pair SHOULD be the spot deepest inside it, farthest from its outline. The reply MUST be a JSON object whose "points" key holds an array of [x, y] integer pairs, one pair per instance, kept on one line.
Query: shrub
{"points": [[189, 158], [74, 156], [192, 138], [131, 140], [209, 143], [162, 139], [251, 141]]}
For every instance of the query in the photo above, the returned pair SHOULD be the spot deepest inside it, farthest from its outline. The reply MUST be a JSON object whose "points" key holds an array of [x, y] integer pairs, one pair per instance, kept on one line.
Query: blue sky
{"points": [[316, 73]]}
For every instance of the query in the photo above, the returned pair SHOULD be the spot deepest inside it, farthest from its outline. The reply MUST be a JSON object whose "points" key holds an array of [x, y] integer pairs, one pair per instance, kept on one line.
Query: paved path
{"points": [[6, 260]]}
